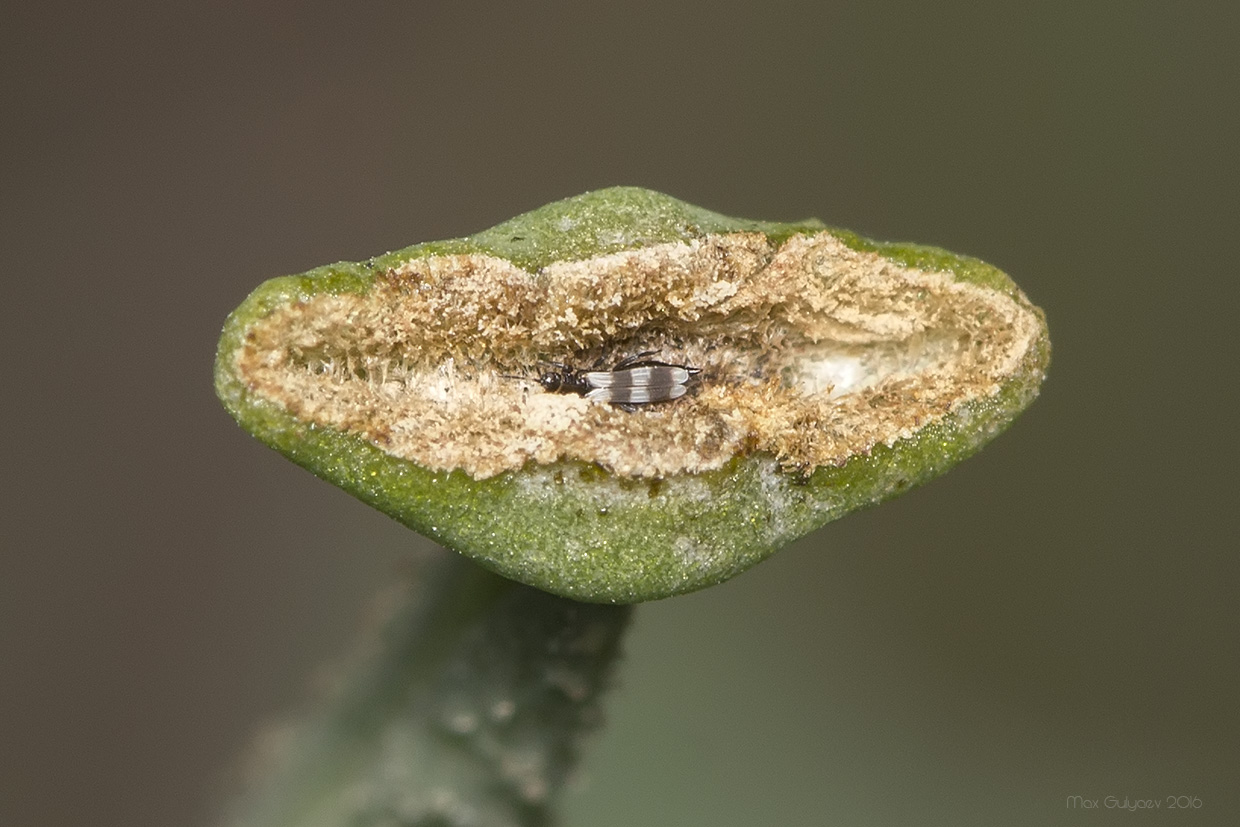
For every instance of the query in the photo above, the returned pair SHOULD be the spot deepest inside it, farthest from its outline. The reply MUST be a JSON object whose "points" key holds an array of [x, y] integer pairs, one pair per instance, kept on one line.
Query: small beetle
{"points": [[634, 381]]}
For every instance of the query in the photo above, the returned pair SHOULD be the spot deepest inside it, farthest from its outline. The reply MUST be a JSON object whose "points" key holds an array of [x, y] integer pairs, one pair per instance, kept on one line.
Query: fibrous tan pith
{"points": [[811, 351]]}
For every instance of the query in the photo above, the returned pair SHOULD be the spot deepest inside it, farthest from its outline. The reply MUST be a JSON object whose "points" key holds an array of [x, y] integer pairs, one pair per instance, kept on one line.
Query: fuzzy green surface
{"points": [[571, 528], [465, 700]]}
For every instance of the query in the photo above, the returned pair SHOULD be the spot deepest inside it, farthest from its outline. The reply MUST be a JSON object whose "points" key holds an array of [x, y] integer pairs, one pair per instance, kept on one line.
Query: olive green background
{"points": [[1054, 618]]}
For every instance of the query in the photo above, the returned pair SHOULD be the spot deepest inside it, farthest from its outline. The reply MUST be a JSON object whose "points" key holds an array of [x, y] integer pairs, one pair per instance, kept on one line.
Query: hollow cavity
{"points": [[810, 351]]}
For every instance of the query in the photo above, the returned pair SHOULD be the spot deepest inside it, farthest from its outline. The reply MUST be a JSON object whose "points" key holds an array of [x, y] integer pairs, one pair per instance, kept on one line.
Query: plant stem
{"points": [[464, 703]]}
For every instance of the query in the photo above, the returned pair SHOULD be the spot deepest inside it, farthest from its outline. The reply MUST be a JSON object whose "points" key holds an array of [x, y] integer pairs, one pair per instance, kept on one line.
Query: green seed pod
{"points": [[829, 373]]}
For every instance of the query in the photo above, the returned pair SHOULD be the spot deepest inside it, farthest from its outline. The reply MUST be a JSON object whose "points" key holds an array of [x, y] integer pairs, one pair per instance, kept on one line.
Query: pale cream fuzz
{"points": [[812, 352]]}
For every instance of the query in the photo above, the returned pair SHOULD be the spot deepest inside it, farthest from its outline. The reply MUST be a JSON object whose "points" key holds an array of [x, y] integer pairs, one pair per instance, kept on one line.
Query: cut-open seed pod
{"points": [[733, 385]]}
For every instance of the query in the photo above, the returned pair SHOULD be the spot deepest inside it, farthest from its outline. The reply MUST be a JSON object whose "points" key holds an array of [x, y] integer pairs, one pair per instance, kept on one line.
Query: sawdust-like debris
{"points": [[812, 352]]}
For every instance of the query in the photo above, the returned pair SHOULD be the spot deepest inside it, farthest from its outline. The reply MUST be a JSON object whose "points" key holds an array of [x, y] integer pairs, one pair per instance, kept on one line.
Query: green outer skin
{"points": [[587, 535]]}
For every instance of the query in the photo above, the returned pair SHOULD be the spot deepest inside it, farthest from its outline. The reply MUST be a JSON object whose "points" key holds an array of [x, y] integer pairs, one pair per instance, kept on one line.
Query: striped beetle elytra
{"points": [[637, 380]]}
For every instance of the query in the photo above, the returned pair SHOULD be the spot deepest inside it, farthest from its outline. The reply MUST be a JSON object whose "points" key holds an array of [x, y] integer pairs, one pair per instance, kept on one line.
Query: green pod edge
{"points": [[572, 528]]}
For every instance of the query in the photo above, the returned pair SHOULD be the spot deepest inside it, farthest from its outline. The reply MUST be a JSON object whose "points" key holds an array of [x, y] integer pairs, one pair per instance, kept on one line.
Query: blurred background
{"points": [[1056, 617]]}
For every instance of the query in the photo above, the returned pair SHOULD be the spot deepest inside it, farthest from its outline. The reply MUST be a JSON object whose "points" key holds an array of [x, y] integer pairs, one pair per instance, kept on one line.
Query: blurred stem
{"points": [[464, 702]]}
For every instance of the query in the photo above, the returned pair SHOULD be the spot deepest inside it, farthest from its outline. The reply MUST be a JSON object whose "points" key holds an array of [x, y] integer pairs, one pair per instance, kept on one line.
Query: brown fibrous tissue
{"points": [[809, 351]]}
